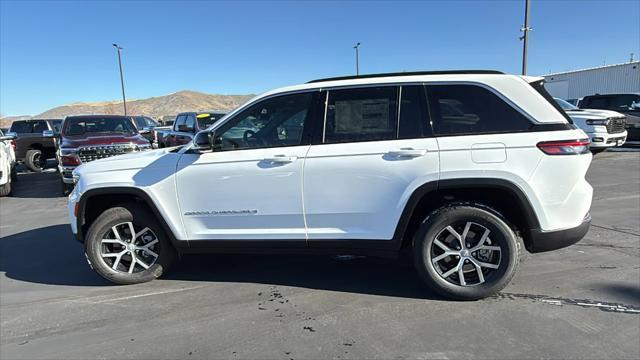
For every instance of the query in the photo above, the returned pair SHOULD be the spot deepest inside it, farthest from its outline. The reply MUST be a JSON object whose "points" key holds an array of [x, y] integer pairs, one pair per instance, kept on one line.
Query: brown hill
{"points": [[156, 106]]}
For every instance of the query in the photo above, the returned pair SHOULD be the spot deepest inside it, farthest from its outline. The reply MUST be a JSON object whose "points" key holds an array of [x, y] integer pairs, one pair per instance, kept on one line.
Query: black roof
{"points": [[439, 72]]}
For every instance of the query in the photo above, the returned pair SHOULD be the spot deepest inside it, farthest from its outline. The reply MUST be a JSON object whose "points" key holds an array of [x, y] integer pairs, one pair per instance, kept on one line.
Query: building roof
{"points": [[592, 68]]}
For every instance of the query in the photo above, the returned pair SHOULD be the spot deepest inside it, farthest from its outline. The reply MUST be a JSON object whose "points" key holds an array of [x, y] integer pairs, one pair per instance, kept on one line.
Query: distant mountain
{"points": [[5, 122], [156, 106]]}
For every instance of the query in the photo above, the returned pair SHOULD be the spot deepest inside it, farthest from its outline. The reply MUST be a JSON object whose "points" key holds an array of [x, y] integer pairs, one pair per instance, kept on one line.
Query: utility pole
{"points": [[525, 37], [124, 100], [357, 46]]}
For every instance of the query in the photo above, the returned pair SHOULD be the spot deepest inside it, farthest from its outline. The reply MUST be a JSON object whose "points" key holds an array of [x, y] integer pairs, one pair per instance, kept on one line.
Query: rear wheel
{"points": [[35, 161], [5, 189], [126, 245], [465, 252]]}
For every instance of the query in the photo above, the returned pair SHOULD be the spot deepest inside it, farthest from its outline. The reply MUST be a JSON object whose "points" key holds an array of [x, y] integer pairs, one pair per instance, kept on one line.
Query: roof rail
{"points": [[440, 72]]}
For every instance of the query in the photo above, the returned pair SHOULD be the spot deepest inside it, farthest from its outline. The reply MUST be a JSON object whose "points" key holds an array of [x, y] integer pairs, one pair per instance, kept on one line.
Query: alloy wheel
{"points": [[464, 254], [125, 249]]}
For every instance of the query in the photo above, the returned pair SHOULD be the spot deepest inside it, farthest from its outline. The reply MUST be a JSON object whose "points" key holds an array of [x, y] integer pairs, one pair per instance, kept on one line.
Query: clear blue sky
{"points": [[52, 53]]}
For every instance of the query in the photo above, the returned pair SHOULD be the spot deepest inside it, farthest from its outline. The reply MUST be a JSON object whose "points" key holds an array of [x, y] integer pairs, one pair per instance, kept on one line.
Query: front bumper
{"points": [[605, 140], [66, 173], [541, 241]]}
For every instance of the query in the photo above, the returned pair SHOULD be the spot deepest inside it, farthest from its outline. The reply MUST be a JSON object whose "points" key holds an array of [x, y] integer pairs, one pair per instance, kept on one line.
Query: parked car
{"points": [[625, 103], [7, 162], [605, 128], [456, 166], [145, 126], [185, 127], [92, 137], [32, 147]]}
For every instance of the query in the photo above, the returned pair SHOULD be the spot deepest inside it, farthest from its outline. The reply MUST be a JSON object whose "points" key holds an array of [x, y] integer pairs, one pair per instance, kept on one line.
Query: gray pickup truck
{"points": [[32, 148], [186, 125]]}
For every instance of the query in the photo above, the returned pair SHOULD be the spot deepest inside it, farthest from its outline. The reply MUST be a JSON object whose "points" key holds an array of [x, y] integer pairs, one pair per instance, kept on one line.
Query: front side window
{"points": [[39, 126], [140, 123], [57, 125], [365, 114], [471, 109], [273, 122]]}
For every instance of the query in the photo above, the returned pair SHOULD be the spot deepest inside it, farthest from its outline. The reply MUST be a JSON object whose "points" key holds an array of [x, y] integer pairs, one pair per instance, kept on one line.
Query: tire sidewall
{"points": [[31, 154], [500, 232], [139, 216]]}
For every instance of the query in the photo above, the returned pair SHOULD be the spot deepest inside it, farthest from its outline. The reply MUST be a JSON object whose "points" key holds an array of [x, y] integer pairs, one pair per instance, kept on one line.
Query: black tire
{"points": [[66, 188], [501, 235], [141, 218], [5, 190], [34, 160]]}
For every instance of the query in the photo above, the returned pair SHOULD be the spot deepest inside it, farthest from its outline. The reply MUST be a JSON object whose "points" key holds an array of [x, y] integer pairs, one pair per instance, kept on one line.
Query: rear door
{"points": [[374, 150]]}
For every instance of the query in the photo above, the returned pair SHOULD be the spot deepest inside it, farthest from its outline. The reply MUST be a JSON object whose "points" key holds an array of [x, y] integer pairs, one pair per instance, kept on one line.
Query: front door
{"points": [[250, 186]]}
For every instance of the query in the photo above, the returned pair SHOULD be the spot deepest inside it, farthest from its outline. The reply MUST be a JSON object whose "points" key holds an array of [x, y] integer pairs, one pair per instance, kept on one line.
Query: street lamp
{"points": [[525, 36], [124, 100], [357, 46]]}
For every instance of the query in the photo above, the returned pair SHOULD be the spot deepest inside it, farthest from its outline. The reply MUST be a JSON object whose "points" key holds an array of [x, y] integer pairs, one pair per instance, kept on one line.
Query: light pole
{"points": [[357, 46], [124, 100], [525, 36]]}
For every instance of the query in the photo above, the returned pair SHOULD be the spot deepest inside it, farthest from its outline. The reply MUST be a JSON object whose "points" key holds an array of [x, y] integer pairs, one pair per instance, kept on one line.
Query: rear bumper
{"points": [[541, 241]]}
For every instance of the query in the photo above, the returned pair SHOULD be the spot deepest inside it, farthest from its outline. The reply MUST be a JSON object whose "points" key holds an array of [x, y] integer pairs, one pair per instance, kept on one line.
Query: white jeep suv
{"points": [[461, 167]]}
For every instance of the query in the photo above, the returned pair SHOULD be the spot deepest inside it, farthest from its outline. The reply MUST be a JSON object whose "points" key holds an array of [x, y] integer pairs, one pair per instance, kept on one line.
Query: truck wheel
{"points": [[35, 161], [126, 245], [5, 189], [465, 252]]}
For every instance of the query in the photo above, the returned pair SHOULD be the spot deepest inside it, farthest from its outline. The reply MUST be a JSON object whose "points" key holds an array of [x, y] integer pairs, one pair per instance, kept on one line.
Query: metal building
{"points": [[609, 79]]}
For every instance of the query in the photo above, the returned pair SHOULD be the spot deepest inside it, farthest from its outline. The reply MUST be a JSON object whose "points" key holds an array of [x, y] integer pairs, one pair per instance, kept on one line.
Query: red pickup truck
{"points": [[185, 126], [92, 137]]}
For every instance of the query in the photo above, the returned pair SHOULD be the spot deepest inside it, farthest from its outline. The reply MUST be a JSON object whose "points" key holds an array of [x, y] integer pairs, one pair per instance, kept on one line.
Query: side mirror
{"points": [[202, 141], [48, 133]]}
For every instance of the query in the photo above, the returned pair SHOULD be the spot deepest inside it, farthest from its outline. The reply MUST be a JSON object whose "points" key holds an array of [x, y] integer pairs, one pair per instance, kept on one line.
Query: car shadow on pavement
{"points": [[50, 255], [46, 255]]}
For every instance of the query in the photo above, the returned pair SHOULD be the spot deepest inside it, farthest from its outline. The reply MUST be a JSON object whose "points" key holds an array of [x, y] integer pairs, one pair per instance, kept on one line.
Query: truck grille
{"points": [[616, 125], [90, 153]]}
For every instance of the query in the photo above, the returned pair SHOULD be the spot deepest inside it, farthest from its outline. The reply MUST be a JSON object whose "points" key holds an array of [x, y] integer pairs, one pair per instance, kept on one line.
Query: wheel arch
{"points": [[104, 198], [502, 196]]}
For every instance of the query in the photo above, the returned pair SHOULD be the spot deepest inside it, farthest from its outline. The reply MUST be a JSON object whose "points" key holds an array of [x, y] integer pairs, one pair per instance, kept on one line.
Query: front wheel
{"points": [[126, 245], [465, 252]]}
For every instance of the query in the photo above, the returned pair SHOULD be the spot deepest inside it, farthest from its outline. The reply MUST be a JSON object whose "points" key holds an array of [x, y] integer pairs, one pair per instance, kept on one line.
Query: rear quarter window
{"points": [[20, 127], [471, 109]]}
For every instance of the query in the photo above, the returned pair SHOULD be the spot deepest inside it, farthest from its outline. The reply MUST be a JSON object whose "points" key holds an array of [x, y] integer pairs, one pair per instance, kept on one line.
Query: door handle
{"points": [[280, 159], [407, 152]]}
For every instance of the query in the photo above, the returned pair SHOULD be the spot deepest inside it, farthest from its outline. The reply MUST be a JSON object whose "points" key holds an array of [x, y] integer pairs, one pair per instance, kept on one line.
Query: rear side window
{"points": [[21, 127], [471, 109], [39, 126], [365, 114]]}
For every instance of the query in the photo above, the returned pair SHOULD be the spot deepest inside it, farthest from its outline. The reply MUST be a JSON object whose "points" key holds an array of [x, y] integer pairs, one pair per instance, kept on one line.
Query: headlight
{"points": [[604, 122], [68, 151]]}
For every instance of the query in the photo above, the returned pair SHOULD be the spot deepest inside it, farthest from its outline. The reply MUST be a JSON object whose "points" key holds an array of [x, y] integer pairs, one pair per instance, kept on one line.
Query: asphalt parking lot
{"points": [[578, 302]]}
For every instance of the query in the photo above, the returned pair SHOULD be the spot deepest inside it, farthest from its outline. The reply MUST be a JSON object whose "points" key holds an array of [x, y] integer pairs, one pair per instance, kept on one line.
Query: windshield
{"points": [[206, 120], [79, 126], [565, 105]]}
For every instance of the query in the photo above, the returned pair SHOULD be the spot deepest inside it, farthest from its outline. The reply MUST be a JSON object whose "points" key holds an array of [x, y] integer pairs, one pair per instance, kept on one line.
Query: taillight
{"points": [[70, 160], [13, 144], [565, 147]]}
